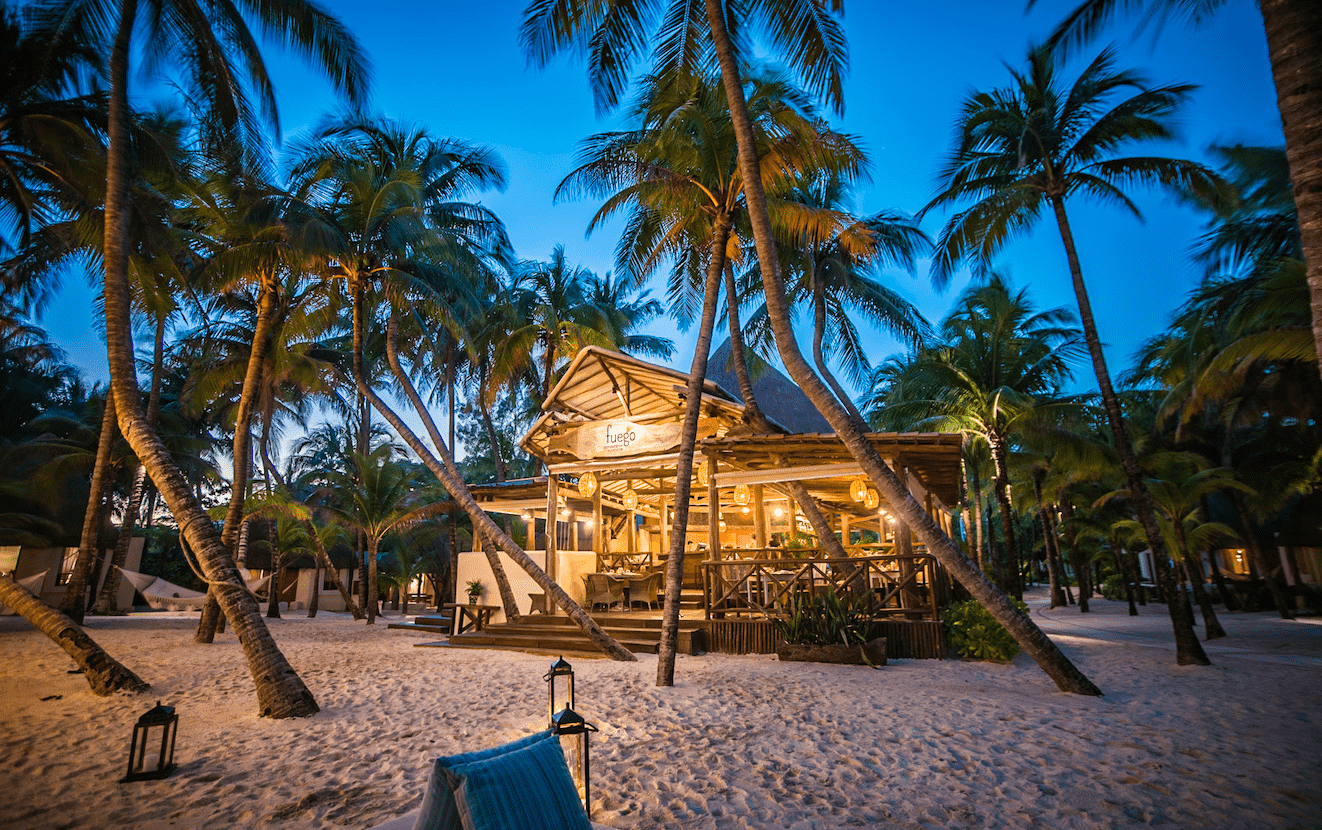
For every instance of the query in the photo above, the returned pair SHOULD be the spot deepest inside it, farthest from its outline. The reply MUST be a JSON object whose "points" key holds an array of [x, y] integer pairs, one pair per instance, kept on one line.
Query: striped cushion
{"points": [[526, 789], [438, 811]]}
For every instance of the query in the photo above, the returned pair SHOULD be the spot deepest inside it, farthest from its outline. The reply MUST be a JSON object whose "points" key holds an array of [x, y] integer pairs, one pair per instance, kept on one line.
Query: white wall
{"points": [[572, 565]]}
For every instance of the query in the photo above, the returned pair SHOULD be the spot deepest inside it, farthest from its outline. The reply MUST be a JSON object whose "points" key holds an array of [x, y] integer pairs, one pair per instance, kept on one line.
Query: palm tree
{"points": [[808, 35], [997, 367], [1179, 498], [1294, 44], [1026, 148], [206, 39], [378, 496]]}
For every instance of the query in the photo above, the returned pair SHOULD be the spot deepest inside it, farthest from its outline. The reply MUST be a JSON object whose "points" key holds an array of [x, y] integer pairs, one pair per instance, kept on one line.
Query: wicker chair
{"points": [[645, 588], [602, 590]]}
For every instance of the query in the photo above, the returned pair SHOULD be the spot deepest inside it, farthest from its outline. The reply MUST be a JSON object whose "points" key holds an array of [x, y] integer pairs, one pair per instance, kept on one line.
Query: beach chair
{"points": [[522, 785]]}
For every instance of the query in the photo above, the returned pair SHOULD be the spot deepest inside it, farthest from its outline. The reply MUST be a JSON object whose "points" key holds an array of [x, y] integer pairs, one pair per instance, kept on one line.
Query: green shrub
{"points": [[976, 634], [829, 619], [1113, 587]]}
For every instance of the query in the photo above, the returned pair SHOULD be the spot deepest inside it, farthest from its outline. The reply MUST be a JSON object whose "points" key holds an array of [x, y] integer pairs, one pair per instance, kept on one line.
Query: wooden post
{"points": [[599, 529], [631, 534], [664, 520], [844, 529], [713, 512], [759, 517], [552, 519]]}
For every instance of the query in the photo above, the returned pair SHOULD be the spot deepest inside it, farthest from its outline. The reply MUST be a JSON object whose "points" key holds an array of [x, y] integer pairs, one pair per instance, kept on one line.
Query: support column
{"points": [[631, 532], [663, 511], [759, 517], [599, 529], [552, 520], [844, 529], [713, 512]]}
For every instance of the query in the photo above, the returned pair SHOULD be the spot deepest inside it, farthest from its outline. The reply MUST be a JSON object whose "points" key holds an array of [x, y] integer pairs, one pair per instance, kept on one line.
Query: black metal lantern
{"points": [[573, 732], [147, 759], [559, 669]]}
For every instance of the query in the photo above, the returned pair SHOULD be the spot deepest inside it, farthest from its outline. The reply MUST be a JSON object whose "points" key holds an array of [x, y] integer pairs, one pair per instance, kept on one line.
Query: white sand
{"points": [[739, 742]]}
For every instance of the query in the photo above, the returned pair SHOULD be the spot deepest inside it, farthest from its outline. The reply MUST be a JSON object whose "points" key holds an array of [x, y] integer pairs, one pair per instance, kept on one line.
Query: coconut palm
{"points": [[807, 35], [206, 39], [1179, 494], [1294, 45], [997, 367], [1024, 149]]}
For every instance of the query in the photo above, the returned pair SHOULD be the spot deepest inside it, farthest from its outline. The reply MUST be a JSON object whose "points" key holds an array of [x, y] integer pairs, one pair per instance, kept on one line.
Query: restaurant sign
{"points": [[615, 439]]}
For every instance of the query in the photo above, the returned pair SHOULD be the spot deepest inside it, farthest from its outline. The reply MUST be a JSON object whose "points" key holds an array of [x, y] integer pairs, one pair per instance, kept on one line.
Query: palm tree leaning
{"points": [[187, 30], [1024, 149], [1294, 44]]}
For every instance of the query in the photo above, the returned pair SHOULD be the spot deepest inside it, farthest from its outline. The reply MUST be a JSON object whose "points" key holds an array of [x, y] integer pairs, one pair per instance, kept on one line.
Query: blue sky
{"points": [[456, 68]]}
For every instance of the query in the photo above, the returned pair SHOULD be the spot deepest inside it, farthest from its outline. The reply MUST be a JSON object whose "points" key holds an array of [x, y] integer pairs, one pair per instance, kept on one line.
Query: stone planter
{"points": [[873, 650]]}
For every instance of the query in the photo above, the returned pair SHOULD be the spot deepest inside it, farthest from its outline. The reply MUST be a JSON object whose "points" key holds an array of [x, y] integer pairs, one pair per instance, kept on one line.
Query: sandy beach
{"points": [[739, 742]]}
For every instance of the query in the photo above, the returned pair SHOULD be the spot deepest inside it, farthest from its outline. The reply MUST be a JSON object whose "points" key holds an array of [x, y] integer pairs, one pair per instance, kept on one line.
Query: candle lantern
{"points": [[858, 489], [630, 499], [151, 754], [741, 494], [871, 499], [561, 674], [573, 733]]}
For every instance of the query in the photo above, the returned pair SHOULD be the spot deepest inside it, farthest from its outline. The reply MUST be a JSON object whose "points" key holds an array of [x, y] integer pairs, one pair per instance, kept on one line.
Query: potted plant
{"points": [[829, 629], [474, 591]]}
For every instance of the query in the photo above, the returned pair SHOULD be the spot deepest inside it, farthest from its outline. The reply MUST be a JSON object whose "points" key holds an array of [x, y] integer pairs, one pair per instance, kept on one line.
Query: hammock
{"points": [[32, 583], [166, 596]]}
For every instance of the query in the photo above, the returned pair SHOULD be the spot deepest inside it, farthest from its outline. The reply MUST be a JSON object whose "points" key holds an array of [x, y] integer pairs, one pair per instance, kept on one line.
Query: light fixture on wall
{"points": [[587, 485]]}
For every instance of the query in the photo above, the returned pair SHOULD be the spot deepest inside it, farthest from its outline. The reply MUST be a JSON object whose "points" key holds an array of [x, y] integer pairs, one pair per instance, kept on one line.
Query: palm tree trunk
{"points": [[976, 492], [1193, 571], [1294, 42], [242, 450], [1036, 644], [448, 474], [1053, 578], [665, 658], [280, 691], [1076, 555], [273, 587], [106, 600], [75, 591], [1188, 651], [373, 586], [1008, 573], [104, 673]]}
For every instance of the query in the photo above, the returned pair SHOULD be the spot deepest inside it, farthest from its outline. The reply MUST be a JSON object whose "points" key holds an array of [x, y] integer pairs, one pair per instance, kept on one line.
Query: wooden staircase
{"points": [[436, 625]]}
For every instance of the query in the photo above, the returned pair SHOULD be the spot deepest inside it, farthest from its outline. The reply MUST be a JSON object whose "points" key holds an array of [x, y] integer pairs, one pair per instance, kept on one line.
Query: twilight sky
{"points": [[456, 68]]}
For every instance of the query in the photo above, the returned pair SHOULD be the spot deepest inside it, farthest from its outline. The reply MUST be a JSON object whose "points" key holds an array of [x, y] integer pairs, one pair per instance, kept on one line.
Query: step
{"points": [[442, 627], [692, 640]]}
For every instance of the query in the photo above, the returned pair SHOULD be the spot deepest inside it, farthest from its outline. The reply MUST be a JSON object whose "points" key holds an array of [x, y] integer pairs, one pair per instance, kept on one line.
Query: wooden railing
{"points": [[898, 586], [623, 561]]}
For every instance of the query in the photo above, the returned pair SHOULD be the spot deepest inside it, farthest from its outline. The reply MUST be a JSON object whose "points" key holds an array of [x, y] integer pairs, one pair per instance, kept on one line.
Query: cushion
{"points": [[438, 811], [525, 789]]}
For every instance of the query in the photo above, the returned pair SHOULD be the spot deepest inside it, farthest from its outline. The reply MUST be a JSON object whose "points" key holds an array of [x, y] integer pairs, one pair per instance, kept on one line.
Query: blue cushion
{"points": [[526, 789], [438, 811]]}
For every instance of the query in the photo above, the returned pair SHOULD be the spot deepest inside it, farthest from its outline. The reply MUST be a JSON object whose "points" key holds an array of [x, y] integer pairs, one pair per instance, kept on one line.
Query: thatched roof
{"points": [[777, 396]]}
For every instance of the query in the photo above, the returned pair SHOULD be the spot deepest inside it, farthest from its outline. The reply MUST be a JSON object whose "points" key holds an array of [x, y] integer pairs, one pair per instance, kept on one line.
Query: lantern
{"points": [[559, 669], [872, 499], [704, 474], [630, 499], [587, 484], [858, 489], [741, 494], [573, 733], [147, 760]]}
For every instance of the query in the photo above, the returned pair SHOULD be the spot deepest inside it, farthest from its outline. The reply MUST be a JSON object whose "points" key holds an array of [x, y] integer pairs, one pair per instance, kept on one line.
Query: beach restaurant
{"points": [[609, 437]]}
